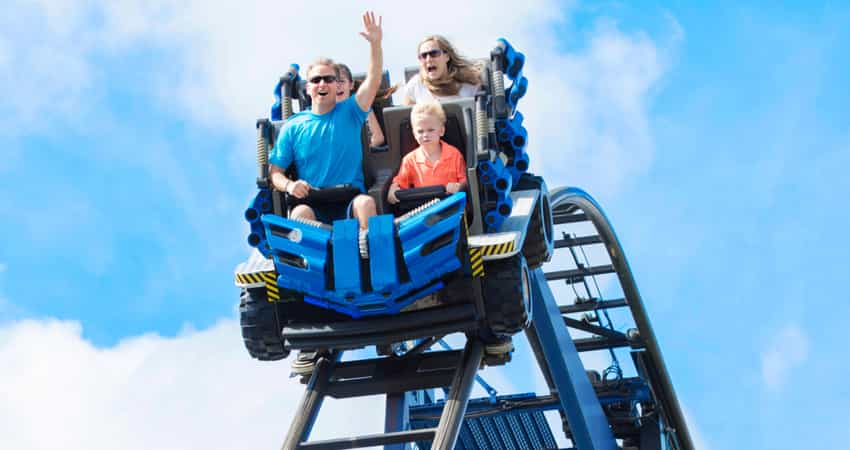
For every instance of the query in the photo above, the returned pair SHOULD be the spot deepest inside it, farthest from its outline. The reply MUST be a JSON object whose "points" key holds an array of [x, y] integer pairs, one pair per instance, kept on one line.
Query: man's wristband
{"points": [[286, 186]]}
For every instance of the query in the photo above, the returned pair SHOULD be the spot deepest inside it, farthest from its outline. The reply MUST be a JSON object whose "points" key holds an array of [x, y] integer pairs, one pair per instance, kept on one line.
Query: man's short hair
{"points": [[428, 108], [323, 62]]}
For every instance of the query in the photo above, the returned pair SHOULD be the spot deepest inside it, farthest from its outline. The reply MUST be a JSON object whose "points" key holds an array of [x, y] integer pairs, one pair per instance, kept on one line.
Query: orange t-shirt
{"points": [[417, 171]]}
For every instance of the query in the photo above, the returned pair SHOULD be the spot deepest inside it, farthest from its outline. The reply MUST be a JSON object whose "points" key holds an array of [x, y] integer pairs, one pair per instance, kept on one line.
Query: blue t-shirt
{"points": [[326, 148]]}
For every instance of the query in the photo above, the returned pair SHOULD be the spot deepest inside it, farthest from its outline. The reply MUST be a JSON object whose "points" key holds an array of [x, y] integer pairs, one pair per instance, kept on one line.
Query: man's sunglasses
{"points": [[432, 53], [327, 79]]}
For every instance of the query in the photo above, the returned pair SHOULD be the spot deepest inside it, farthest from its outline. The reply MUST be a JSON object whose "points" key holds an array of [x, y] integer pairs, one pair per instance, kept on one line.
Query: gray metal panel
{"points": [[396, 118], [383, 165]]}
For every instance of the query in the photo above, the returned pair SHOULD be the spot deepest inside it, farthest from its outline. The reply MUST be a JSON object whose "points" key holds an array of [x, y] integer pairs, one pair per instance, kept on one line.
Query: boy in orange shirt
{"points": [[434, 162]]}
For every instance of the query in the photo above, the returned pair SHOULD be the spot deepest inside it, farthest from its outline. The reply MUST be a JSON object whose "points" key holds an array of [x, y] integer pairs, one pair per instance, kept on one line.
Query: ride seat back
{"points": [[460, 132], [380, 102], [409, 72]]}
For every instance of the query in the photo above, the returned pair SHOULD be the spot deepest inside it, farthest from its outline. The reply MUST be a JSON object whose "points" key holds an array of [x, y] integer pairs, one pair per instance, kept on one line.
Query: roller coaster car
{"points": [[432, 265]]}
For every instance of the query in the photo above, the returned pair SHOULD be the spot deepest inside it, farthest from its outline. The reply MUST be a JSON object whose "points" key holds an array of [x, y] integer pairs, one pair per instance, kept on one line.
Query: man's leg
{"points": [[304, 363], [363, 207], [302, 212]]}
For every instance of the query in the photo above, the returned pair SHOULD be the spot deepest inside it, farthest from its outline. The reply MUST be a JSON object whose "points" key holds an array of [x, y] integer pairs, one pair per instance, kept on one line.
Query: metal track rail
{"points": [[573, 205]]}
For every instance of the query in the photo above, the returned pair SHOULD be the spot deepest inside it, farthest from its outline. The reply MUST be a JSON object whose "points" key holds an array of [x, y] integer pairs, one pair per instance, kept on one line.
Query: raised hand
{"points": [[372, 28]]}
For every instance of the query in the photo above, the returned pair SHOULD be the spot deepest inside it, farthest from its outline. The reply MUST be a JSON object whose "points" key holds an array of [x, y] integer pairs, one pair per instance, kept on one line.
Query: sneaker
{"points": [[363, 243]]}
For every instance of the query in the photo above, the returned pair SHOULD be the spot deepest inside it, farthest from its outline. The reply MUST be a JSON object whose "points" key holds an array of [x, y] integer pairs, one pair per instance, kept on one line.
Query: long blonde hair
{"points": [[459, 70]]}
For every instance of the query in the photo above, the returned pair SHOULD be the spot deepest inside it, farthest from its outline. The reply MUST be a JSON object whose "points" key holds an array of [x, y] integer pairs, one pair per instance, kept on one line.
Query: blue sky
{"points": [[716, 136]]}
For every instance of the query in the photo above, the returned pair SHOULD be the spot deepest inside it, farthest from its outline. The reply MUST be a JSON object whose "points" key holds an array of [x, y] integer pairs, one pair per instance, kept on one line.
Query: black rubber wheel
{"points": [[261, 325], [538, 239], [507, 296]]}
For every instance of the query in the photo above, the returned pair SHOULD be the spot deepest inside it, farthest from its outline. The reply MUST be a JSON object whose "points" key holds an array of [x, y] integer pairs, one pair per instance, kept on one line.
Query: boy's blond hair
{"points": [[428, 108]]}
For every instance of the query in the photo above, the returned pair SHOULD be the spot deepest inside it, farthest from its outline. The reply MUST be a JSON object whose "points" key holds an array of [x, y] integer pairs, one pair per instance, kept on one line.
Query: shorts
{"points": [[328, 212]]}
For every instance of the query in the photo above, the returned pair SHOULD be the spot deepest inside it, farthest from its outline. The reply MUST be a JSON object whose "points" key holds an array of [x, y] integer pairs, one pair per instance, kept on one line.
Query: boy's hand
{"points": [[372, 28], [451, 188], [391, 195]]}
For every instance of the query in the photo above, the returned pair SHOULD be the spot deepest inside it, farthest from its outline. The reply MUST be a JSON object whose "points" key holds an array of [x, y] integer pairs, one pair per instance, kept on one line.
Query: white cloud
{"points": [[198, 390], [595, 131], [45, 74], [788, 349]]}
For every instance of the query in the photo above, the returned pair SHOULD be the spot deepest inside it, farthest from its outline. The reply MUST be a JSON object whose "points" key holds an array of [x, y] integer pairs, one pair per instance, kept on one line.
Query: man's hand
{"points": [[451, 188], [391, 195], [298, 189], [372, 29], [369, 88]]}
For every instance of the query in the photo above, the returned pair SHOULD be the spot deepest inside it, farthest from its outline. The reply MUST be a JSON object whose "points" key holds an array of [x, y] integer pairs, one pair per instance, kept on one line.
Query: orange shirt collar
{"points": [[419, 154]]}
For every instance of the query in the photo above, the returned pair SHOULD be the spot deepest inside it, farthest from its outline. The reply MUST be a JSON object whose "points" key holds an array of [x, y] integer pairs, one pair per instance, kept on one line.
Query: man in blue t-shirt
{"points": [[324, 143]]}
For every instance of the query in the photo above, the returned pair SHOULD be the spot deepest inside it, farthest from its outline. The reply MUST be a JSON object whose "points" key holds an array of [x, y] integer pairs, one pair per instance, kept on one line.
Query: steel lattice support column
{"points": [[588, 422]]}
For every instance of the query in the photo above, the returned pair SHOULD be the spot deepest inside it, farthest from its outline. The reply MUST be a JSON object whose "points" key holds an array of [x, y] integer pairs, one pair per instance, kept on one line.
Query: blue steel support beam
{"points": [[396, 416], [584, 413]]}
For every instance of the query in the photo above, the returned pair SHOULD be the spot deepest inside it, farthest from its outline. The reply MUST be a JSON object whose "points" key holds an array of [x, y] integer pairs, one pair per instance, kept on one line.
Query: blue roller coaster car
{"points": [[432, 265]]}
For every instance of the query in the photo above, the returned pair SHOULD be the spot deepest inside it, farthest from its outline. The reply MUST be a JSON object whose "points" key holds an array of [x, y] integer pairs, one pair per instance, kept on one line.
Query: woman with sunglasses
{"points": [[443, 73], [345, 86]]}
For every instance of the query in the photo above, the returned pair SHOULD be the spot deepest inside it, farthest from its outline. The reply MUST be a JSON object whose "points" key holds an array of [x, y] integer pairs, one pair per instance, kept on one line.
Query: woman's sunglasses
{"points": [[432, 53]]}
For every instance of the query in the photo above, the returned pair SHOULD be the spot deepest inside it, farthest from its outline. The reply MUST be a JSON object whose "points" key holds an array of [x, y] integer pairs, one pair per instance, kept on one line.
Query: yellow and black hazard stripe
{"points": [[497, 249], [249, 278], [272, 291], [268, 278], [476, 261]]}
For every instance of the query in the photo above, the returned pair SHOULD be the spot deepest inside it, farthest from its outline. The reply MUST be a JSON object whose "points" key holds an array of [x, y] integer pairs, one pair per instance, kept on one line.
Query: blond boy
{"points": [[434, 162]]}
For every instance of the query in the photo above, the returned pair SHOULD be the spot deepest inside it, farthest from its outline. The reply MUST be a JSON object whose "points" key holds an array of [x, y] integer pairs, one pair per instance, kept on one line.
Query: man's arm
{"points": [[280, 158], [279, 180], [373, 33], [298, 189]]}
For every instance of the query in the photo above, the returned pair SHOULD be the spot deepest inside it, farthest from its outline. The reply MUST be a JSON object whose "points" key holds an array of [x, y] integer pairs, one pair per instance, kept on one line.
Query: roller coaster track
{"points": [[573, 206], [634, 407]]}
